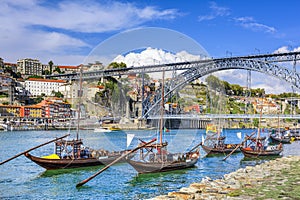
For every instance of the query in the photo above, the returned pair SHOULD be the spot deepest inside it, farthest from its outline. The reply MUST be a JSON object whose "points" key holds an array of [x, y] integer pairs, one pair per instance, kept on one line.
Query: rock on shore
{"points": [[279, 178]]}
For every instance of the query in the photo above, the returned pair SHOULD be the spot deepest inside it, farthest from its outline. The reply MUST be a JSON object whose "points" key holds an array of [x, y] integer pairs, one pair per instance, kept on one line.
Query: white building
{"points": [[38, 86], [29, 66]]}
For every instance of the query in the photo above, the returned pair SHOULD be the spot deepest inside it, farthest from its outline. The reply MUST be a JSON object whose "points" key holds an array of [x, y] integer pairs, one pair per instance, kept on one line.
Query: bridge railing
{"points": [[226, 116], [277, 57]]}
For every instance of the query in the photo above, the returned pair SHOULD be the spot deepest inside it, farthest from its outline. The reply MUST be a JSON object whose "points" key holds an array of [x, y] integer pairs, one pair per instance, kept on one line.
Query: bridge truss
{"points": [[264, 63]]}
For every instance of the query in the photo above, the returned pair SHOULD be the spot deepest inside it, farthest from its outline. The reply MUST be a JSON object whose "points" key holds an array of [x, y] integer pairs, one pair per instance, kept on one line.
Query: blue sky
{"points": [[67, 31]]}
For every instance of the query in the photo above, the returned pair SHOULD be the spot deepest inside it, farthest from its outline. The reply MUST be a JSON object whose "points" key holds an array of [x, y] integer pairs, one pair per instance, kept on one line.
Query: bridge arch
{"points": [[198, 70]]}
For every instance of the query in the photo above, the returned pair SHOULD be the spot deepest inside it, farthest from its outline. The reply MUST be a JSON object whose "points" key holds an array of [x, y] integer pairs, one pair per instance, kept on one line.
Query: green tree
{"points": [[214, 82], [255, 122], [57, 69], [35, 76], [57, 94], [46, 72], [116, 65], [50, 63]]}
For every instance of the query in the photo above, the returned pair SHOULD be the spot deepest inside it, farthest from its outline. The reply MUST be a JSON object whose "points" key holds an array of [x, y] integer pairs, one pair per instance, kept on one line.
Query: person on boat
{"points": [[259, 146], [279, 146]]}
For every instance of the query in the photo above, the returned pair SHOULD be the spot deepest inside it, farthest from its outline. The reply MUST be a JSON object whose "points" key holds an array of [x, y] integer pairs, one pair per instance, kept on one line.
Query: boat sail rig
{"points": [[72, 153], [258, 147], [155, 157]]}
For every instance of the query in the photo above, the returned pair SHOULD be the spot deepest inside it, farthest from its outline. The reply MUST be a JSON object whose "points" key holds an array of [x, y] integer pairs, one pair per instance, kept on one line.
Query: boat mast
{"points": [[162, 108], [259, 122], [278, 125], [79, 103]]}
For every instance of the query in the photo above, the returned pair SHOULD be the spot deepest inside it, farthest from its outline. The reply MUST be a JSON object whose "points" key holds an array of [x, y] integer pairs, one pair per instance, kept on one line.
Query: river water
{"points": [[23, 179]]}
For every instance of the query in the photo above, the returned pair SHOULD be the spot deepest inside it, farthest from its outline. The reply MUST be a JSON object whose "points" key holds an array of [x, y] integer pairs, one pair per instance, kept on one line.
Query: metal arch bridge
{"points": [[264, 63], [261, 63], [265, 58]]}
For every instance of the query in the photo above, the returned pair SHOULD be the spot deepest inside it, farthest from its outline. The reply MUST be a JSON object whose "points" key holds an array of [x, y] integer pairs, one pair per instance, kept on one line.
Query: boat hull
{"points": [[102, 130], [216, 151], [257, 153], [152, 167], [52, 164], [277, 140]]}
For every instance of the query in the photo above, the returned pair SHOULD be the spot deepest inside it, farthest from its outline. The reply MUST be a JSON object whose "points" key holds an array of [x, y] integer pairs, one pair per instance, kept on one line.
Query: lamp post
{"points": [[228, 52]]}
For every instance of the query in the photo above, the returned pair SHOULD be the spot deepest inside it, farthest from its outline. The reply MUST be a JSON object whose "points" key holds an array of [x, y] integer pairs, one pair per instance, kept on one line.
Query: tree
{"points": [[214, 82], [57, 94], [116, 65], [46, 72], [35, 76], [255, 122], [57, 69], [50, 63]]}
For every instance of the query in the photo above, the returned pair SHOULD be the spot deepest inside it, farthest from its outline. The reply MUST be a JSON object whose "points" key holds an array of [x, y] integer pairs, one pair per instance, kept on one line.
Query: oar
{"points": [[32, 149], [115, 161], [195, 147], [237, 146]]}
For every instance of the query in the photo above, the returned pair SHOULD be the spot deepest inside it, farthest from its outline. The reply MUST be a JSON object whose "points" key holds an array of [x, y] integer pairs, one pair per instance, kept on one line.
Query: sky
{"points": [[66, 32]]}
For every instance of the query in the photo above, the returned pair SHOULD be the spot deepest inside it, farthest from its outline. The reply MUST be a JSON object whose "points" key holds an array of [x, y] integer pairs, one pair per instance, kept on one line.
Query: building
{"points": [[38, 86], [12, 66], [34, 111], [10, 110], [29, 66], [69, 69], [1, 65], [265, 107], [55, 108], [95, 66]]}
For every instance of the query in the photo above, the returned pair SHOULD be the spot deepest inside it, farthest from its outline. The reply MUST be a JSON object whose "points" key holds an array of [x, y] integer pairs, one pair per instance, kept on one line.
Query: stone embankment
{"points": [[275, 179]]}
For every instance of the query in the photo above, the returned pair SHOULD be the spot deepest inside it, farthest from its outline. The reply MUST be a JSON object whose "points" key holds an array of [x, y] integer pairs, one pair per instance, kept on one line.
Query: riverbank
{"points": [[274, 179]]}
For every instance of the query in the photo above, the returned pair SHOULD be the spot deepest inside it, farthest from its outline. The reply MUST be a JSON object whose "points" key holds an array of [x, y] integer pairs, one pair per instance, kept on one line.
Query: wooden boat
{"points": [[250, 153], [257, 146], [164, 163], [279, 136], [114, 128], [280, 139], [156, 158], [228, 148], [72, 153], [102, 130], [214, 144]]}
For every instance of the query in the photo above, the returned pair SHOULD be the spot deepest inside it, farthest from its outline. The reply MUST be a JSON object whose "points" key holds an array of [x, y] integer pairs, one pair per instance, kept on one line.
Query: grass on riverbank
{"points": [[285, 184]]}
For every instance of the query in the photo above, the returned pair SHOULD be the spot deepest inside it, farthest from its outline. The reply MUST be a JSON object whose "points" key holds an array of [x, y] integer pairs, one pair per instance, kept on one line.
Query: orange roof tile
{"points": [[68, 67], [46, 80]]}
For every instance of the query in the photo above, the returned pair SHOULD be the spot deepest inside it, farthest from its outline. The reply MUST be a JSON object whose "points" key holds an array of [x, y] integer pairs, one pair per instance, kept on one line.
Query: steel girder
{"points": [[270, 58], [198, 70]]}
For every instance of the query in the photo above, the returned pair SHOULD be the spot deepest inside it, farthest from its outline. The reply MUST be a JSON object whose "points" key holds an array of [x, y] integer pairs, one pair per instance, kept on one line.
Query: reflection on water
{"points": [[23, 179]]}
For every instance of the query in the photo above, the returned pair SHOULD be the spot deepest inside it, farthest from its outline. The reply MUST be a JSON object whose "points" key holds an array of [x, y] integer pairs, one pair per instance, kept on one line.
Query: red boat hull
{"points": [[257, 153]]}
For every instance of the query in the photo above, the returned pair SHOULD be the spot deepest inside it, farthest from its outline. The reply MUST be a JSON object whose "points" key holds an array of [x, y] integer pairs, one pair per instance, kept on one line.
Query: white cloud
{"points": [[41, 29], [216, 11], [152, 56], [283, 49], [250, 23], [258, 80]]}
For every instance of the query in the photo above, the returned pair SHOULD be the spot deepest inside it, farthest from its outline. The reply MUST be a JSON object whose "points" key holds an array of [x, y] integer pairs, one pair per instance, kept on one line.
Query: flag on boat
{"points": [[211, 128], [166, 130], [239, 135], [129, 139]]}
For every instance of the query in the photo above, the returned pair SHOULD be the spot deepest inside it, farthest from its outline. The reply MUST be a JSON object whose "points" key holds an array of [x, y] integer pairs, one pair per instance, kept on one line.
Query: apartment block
{"points": [[37, 86], [29, 66]]}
